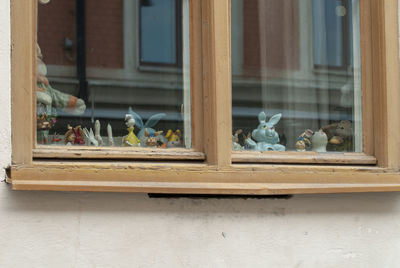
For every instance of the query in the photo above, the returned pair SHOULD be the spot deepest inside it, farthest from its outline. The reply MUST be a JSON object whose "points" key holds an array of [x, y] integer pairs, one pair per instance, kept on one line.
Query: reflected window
{"points": [[332, 33], [160, 32]]}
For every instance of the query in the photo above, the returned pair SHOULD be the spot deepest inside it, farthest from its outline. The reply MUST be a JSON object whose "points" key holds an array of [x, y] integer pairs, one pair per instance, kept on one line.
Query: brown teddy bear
{"points": [[340, 136]]}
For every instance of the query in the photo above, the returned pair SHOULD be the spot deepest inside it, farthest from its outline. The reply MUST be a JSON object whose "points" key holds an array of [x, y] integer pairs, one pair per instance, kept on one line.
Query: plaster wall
{"points": [[58, 229]]}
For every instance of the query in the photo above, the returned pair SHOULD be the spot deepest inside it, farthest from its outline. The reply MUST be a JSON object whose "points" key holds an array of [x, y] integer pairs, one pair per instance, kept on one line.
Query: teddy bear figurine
{"points": [[340, 136]]}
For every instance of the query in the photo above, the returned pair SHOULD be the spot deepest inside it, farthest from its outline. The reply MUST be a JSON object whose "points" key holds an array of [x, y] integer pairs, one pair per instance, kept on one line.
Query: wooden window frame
{"points": [[211, 167]]}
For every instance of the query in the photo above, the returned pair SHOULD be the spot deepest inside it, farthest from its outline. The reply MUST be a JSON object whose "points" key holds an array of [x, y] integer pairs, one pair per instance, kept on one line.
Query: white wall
{"points": [[57, 229], [5, 93], [44, 229]]}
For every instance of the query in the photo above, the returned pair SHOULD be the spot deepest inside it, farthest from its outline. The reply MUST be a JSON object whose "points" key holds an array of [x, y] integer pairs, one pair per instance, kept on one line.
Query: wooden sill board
{"points": [[303, 158], [204, 188], [71, 152], [201, 178]]}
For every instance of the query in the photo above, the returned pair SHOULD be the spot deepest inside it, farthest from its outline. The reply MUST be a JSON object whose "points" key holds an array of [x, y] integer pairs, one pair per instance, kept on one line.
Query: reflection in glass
{"points": [[296, 75], [158, 25], [105, 78]]}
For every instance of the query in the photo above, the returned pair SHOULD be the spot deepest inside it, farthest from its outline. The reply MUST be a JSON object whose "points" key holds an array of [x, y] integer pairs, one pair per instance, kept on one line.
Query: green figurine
{"points": [[49, 99]]}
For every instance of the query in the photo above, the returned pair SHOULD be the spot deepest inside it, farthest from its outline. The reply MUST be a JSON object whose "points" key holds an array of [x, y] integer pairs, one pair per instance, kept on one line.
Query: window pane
{"points": [[158, 22], [91, 87], [296, 79]]}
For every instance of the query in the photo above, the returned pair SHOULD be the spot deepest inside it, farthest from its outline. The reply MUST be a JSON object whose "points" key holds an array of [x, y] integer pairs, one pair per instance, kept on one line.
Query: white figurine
{"points": [[319, 141], [90, 137], [97, 135], [110, 136]]}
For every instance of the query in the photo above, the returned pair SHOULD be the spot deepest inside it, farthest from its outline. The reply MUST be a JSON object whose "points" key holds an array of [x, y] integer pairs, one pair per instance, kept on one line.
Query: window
{"points": [[333, 33], [280, 102], [87, 67], [160, 23], [223, 85]]}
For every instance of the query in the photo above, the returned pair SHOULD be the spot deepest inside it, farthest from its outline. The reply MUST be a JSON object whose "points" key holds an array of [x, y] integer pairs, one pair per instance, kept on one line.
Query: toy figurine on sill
{"points": [[265, 137], [97, 135], [319, 141], [151, 122], [49, 99], [152, 139], [339, 136], [74, 136], [110, 135], [130, 139], [56, 138], [304, 140], [235, 140], [90, 137], [174, 138], [248, 142]]}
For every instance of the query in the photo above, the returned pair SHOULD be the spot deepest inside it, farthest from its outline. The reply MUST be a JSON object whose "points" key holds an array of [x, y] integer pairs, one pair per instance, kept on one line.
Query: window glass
{"points": [[333, 32], [296, 79], [159, 22], [91, 90]]}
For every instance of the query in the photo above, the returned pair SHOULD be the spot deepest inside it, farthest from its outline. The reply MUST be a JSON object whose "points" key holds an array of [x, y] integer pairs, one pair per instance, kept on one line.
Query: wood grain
{"points": [[303, 157], [385, 72], [200, 178], [23, 79], [69, 152], [199, 172], [391, 76], [217, 82], [207, 188]]}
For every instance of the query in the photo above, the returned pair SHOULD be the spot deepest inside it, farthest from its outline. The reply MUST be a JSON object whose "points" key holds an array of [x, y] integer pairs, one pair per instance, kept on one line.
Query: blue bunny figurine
{"points": [[151, 122], [265, 136]]}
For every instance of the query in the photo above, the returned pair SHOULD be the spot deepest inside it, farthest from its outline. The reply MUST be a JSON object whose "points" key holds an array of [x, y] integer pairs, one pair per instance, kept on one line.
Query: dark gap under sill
{"points": [[218, 196]]}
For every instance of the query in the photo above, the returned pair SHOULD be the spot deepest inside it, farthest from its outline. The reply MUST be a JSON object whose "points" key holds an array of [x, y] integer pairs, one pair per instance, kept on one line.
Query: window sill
{"points": [[200, 178], [71, 152], [159, 69], [303, 158]]}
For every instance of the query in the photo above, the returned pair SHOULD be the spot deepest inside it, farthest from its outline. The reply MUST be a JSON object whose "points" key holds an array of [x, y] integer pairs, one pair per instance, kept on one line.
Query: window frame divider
{"points": [[217, 82]]}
